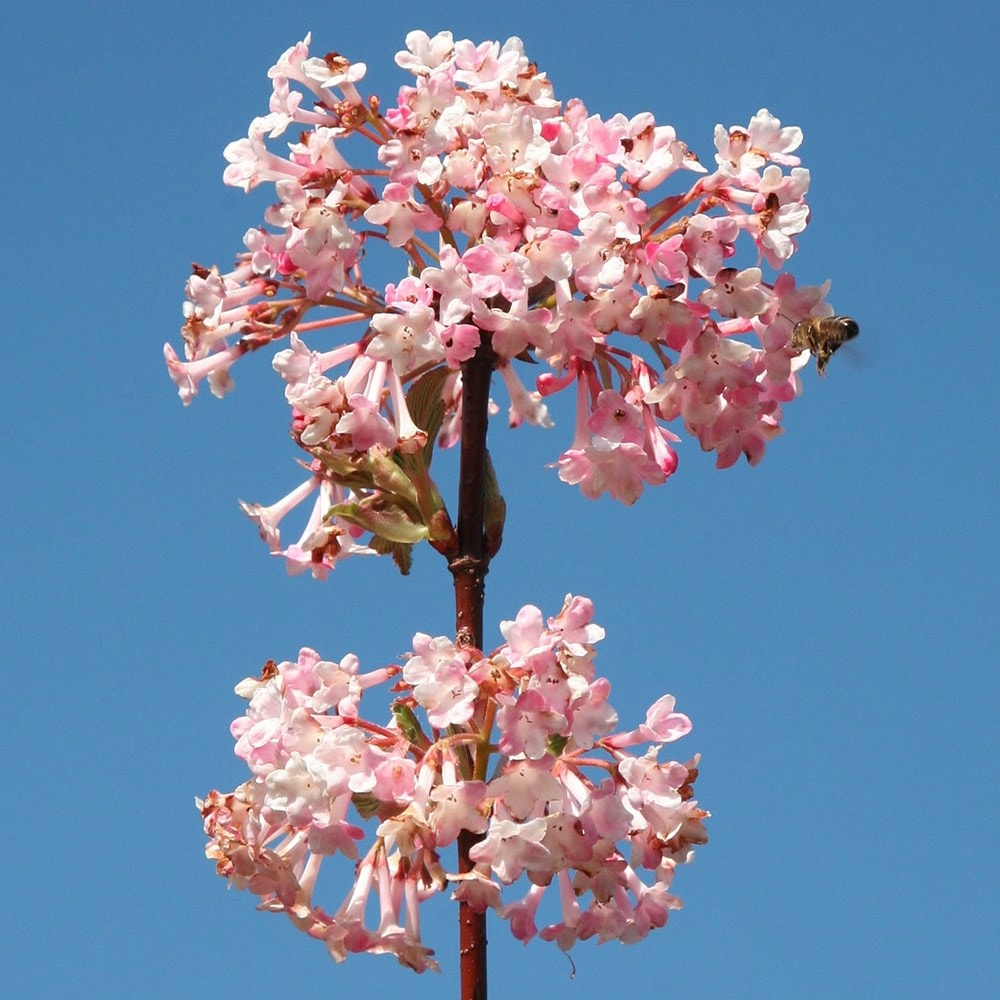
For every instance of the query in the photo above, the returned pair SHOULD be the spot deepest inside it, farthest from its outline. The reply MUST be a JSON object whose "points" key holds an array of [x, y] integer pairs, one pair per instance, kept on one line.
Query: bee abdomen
{"points": [[822, 336]]}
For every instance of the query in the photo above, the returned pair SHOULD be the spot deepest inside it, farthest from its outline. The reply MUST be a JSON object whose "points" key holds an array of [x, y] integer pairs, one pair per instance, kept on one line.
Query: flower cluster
{"points": [[518, 751], [529, 231]]}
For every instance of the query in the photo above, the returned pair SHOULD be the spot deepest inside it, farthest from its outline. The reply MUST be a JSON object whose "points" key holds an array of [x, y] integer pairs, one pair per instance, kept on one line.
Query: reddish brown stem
{"points": [[469, 569], [470, 566]]}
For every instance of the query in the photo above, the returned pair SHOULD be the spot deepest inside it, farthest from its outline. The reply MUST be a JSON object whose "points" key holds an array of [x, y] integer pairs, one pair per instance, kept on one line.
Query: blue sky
{"points": [[827, 619]]}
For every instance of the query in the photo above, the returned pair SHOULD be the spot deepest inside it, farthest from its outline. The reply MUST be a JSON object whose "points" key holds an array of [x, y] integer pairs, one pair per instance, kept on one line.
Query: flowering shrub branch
{"points": [[533, 243], [542, 243]]}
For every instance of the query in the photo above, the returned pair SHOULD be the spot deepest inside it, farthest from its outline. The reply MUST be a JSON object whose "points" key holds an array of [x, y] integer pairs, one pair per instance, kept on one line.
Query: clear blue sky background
{"points": [[828, 619]]}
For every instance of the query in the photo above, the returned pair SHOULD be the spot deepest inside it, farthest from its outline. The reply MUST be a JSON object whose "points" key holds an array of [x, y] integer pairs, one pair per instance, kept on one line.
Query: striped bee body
{"points": [[822, 337]]}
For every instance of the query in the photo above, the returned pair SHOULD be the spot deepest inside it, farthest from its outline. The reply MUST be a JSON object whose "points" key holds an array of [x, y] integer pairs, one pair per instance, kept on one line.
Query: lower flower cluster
{"points": [[516, 750]]}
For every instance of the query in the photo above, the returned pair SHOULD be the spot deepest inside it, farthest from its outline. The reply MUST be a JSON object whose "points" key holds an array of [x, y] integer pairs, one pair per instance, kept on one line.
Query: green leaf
{"points": [[377, 515], [402, 554], [389, 476], [423, 399], [495, 510], [366, 804], [409, 724], [344, 470]]}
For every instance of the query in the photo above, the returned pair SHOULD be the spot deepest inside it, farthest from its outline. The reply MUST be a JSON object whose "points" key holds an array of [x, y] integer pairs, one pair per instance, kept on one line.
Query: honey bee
{"points": [[822, 337]]}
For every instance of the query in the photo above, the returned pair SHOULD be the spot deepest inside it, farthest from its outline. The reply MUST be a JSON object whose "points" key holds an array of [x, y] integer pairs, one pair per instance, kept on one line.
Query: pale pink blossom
{"points": [[268, 518], [323, 543], [509, 847], [214, 367], [364, 424], [526, 230], [252, 163], [524, 225], [406, 339], [438, 674], [621, 471], [567, 804], [401, 215]]}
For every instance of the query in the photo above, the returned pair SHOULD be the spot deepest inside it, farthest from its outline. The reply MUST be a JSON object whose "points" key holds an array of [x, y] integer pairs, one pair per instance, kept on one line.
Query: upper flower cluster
{"points": [[528, 225], [518, 749]]}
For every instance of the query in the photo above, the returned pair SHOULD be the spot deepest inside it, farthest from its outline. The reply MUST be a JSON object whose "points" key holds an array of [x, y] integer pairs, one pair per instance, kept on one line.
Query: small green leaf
{"points": [[382, 519], [495, 512], [366, 804], [402, 554], [423, 399], [389, 476], [344, 470], [409, 724]]}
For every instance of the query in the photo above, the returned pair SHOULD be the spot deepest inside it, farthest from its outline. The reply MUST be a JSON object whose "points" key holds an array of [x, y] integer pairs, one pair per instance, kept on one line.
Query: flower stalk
{"points": [[529, 248], [469, 568]]}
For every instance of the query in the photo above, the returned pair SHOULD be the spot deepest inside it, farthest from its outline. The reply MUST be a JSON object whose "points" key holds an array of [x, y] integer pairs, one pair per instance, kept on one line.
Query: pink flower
{"points": [[366, 426], [621, 471], [615, 420], [251, 163], [401, 215], [460, 342], [521, 915], [323, 543], [407, 340], [187, 374], [394, 780], [314, 757], [441, 682], [547, 251], [508, 848], [737, 293], [575, 625], [708, 241], [523, 785], [527, 722], [663, 725], [524, 405], [458, 808]]}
